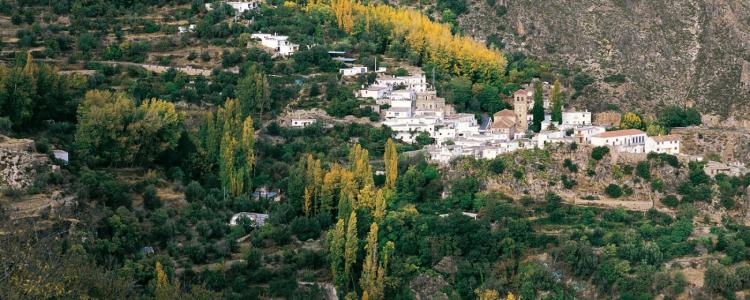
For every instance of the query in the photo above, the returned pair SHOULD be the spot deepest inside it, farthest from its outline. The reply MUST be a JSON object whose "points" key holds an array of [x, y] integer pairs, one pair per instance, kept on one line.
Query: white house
{"points": [[256, 218], [61, 155], [415, 83], [628, 140], [302, 122], [279, 43], [669, 144], [374, 92], [239, 6], [576, 118], [353, 71], [583, 134]]}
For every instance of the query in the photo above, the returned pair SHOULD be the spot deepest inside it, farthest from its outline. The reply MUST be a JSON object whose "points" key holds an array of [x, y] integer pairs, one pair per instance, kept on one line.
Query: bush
{"points": [[497, 165], [599, 152], [194, 192], [570, 165], [643, 170], [567, 183], [613, 191], [150, 198], [42, 146]]}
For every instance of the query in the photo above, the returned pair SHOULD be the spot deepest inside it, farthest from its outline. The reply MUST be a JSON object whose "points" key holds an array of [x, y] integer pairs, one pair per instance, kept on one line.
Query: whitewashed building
{"points": [[374, 91], [669, 144], [628, 140], [302, 122], [240, 7], [279, 43], [582, 135], [576, 118], [353, 71]]}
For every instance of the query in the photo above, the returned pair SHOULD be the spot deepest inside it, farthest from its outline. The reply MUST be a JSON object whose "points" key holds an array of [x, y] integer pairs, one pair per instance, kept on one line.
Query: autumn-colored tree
{"points": [[366, 197], [390, 159], [164, 289], [359, 159], [487, 294], [510, 296], [330, 188], [351, 247], [380, 205], [557, 102], [631, 121], [308, 201], [372, 279], [433, 41]]}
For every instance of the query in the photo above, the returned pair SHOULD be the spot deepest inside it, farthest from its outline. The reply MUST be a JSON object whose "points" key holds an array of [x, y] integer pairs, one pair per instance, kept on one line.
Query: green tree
{"points": [[253, 93], [538, 109]]}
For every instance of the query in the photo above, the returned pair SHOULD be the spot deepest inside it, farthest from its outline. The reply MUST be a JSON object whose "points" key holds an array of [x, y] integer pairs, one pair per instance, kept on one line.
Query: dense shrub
{"points": [[599, 152], [613, 191]]}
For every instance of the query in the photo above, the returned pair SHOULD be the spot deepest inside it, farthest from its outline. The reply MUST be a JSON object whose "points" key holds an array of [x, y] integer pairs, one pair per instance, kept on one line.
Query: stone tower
{"points": [[521, 108]]}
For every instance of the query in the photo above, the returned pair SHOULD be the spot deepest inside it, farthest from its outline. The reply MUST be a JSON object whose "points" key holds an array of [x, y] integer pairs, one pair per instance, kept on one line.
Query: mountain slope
{"points": [[682, 51]]}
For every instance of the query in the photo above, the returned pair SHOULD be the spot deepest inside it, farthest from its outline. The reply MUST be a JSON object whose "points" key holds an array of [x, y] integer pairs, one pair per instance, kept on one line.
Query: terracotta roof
{"points": [[505, 113], [619, 133], [503, 123], [521, 92], [666, 138]]}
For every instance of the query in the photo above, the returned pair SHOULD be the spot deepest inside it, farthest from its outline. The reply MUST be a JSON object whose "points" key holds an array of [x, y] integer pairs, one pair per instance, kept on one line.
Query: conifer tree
{"points": [[557, 104], [391, 164], [538, 109], [351, 248]]}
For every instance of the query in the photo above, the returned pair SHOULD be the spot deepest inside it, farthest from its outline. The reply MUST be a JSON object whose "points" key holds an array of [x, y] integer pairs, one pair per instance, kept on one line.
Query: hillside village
{"points": [[344, 150]]}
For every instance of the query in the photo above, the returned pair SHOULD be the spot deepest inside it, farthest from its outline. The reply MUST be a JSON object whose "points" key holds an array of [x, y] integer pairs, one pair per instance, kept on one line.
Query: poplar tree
{"points": [[308, 202], [330, 188], [373, 273], [391, 164], [253, 93], [380, 206], [557, 104], [351, 247], [336, 242], [538, 109]]}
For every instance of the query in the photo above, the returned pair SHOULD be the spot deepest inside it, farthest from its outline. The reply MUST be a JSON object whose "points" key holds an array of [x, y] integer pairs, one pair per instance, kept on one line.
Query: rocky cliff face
{"points": [[692, 52]]}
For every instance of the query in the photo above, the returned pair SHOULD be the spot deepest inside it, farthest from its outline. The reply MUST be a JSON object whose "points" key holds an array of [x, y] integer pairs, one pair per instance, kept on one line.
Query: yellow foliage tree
{"points": [[631, 121], [459, 55], [391, 164]]}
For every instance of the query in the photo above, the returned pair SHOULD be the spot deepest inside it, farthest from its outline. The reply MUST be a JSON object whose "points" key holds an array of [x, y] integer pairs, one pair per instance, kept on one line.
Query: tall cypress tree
{"points": [[538, 109]]}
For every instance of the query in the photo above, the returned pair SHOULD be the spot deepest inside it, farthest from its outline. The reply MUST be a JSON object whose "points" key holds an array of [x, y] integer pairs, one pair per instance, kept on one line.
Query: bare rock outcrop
{"points": [[18, 162]]}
